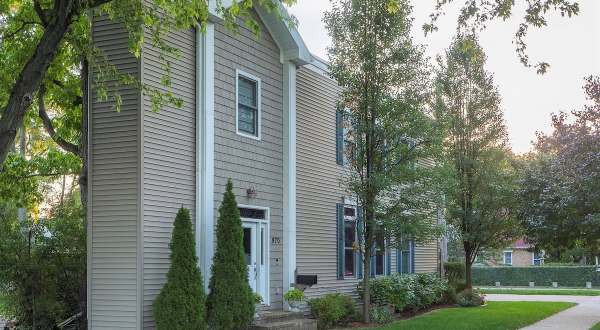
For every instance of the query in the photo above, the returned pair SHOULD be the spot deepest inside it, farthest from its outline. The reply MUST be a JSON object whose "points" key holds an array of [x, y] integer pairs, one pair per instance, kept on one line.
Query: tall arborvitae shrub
{"points": [[230, 304], [181, 303]]}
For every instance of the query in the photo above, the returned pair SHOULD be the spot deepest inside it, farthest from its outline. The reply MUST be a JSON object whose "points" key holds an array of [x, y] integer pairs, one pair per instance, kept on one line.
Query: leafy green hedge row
{"points": [[542, 276]]}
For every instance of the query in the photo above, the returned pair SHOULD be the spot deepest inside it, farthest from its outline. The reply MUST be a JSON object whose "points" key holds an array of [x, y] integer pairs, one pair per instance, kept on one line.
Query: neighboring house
{"points": [[518, 254], [259, 111]]}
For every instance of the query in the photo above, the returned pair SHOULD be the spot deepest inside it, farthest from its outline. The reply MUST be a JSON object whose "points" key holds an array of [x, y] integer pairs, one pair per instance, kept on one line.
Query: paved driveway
{"points": [[581, 317]]}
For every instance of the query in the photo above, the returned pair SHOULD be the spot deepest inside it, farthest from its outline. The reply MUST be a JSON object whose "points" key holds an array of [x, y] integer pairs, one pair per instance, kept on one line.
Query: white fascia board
{"points": [[286, 36]]}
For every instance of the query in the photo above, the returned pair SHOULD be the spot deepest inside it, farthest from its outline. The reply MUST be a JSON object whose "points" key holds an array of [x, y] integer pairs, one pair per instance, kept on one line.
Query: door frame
{"points": [[267, 223]]}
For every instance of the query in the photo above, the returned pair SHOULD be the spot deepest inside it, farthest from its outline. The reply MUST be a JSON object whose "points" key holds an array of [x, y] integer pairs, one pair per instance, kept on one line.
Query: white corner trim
{"points": [[289, 174], [246, 75], [205, 147]]}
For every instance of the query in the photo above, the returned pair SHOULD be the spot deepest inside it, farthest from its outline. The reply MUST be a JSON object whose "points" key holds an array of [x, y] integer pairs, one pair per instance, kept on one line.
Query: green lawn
{"points": [[495, 316], [561, 292], [2, 304], [596, 327]]}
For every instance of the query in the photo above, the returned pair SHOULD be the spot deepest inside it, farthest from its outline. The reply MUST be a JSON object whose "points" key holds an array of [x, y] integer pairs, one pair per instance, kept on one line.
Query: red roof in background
{"points": [[521, 244]]}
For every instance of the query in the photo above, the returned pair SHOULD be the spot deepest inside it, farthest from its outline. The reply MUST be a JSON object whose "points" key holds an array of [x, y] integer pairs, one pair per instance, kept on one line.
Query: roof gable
{"points": [[286, 37]]}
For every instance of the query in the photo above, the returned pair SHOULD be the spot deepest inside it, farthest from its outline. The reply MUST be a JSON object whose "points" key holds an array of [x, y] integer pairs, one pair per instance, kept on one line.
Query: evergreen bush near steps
{"points": [[181, 302], [230, 304]]}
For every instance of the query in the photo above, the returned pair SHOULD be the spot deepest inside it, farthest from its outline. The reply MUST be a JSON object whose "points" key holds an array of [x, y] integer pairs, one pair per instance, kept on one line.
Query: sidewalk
{"points": [[581, 317]]}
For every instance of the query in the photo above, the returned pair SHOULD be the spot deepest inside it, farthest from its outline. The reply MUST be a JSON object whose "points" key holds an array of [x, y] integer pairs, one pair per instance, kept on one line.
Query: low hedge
{"points": [[407, 292], [571, 276]]}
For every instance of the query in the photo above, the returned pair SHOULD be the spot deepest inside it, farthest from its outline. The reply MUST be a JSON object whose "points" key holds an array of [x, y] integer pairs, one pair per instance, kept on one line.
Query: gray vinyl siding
{"points": [[169, 158], [318, 182], [251, 163], [113, 210], [426, 258]]}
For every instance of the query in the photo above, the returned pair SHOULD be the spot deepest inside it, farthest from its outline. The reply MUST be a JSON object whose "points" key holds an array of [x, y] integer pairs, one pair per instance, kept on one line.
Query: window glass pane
{"points": [[349, 211], [379, 257], [349, 262], [247, 92], [248, 245], [262, 246], [508, 258], [349, 234], [252, 213], [405, 267], [247, 121]]}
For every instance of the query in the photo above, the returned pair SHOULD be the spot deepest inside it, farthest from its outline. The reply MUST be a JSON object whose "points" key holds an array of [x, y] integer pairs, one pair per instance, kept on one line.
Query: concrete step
{"points": [[278, 316], [293, 324]]}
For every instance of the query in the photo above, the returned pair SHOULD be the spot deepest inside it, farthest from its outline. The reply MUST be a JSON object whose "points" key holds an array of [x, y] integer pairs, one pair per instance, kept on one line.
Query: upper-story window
{"points": [[248, 105]]}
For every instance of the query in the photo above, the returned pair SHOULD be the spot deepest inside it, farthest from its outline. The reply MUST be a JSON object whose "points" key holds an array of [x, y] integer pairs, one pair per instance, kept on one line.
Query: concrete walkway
{"points": [[581, 317]]}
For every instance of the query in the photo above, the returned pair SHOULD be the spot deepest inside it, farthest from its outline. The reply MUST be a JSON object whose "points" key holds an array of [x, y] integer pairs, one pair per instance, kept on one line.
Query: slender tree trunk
{"points": [[367, 290], [83, 180], [22, 148], [28, 82]]}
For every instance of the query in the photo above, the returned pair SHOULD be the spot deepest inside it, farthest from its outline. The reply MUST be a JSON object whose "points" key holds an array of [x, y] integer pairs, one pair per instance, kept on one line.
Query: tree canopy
{"points": [[560, 182], [477, 14], [385, 84], [480, 177]]}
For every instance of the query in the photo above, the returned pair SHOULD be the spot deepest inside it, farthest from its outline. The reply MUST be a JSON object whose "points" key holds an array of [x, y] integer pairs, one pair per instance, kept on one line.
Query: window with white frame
{"points": [[248, 105], [350, 241], [538, 259], [508, 258]]}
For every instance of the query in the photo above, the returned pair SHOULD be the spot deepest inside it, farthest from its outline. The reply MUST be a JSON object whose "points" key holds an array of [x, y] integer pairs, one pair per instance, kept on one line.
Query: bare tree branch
{"points": [[68, 146]]}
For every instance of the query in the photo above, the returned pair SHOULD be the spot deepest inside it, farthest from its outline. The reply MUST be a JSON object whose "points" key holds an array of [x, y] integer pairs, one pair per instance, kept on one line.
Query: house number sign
{"points": [[276, 240]]}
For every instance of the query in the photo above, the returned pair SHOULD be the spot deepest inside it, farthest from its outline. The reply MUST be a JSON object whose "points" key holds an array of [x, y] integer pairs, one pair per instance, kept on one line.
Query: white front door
{"points": [[256, 255]]}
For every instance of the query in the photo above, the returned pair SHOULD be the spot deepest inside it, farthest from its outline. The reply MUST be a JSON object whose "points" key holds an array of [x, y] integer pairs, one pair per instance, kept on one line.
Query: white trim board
{"points": [[289, 175], [205, 147]]}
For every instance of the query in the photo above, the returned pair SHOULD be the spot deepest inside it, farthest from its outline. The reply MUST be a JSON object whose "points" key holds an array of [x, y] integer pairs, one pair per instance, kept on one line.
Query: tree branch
{"points": [[40, 12], [23, 25], [70, 147], [78, 99]]}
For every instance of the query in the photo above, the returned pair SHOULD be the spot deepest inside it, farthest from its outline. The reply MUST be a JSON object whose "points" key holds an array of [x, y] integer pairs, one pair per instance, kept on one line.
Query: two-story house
{"points": [[259, 110]]}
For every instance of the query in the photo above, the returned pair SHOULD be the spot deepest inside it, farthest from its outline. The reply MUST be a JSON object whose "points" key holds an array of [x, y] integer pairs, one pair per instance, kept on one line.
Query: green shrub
{"points": [[415, 291], [332, 309], [230, 304], [455, 272], [42, 265], [470, 298], [542, 276], [180, 304], [294, 295], [381, 315]]}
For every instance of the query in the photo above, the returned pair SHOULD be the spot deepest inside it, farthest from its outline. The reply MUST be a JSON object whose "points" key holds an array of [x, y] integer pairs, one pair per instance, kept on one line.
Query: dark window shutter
{"points": [[398, 261], [340, 241], [373, 260], [359, 230], [339, 137], [388, 261], [412, 256]]}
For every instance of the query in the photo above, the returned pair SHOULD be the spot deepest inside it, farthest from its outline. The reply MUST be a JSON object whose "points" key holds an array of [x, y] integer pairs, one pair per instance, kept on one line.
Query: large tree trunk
{"points": [[468, 274], [28, 82]]}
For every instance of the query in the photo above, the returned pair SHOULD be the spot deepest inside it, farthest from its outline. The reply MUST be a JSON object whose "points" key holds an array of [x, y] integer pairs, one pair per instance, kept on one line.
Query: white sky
{"points": [[571, 46]]}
